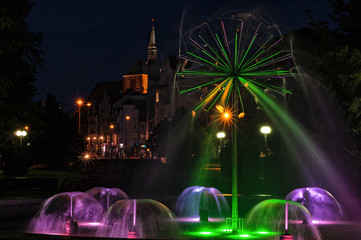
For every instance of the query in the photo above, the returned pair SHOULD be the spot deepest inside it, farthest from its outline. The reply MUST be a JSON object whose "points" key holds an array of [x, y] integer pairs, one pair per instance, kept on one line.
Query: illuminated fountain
{"points": [[233, 63], [201, 204], [232, 58], [239, 58], [143, 218], [320, 203], [62, 213], [269, 217], [107, 196], [77, 213]]}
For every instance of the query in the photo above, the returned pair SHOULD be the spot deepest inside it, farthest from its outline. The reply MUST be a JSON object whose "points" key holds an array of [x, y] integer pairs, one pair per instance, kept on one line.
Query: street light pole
{"points": [[220, 136], [235, 220], [21, 134], [265, 130], [79, 102]]}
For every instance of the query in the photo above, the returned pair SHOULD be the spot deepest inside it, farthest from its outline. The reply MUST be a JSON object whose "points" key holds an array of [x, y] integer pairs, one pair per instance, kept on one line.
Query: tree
{"points": [[57, 140], [20, 57], [347, 16], [329, 51]]}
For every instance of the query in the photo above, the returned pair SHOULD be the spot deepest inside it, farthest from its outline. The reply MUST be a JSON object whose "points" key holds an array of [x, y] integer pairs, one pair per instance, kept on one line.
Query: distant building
{"points": [[124, 113], [101, 115]]}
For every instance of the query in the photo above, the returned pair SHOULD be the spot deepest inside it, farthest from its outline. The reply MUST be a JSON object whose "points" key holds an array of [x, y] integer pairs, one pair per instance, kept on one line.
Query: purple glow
{"points": [[56, 210], [185, 219], [107, 196], [321, 204], [95, 224], [152, 219]]}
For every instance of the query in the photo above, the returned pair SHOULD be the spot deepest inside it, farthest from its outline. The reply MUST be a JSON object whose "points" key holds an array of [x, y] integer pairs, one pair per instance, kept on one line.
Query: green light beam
{"points": [[215, 100], [273, 61], [239, 43], [240, 98], [268, 73], [235, 50], [225, 39], [249, 47], [205, 52], [206, 61], [205, 73], [259, 62], [209, 46], [200, 86], [222, 48], [209, 96], [271, 87]]}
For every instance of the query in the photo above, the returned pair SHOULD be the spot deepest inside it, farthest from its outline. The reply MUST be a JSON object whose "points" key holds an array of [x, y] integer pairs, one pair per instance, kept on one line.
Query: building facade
{"points": [[123, 114]]}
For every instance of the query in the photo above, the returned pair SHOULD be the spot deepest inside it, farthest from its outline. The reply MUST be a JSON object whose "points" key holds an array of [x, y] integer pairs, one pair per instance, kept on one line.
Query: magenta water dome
{"points": [[107, 196], [321, 204], [141, 218], [62, 207]]}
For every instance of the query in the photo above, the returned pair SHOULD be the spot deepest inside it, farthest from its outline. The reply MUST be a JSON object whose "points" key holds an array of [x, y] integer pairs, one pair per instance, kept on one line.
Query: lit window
{"points": [[156, 96]]}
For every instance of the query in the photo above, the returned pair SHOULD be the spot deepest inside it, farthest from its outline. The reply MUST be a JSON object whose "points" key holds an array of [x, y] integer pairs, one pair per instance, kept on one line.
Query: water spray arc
{"points": [[222, 59]]}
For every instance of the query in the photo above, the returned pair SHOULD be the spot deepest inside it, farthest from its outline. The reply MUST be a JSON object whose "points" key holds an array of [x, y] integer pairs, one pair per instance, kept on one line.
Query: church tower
{"points": [[152, 48]]}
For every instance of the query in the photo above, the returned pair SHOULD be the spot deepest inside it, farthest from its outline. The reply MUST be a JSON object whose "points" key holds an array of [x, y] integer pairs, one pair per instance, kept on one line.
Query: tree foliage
{"points": [[20, 57], [55, 140], [330, 52]]}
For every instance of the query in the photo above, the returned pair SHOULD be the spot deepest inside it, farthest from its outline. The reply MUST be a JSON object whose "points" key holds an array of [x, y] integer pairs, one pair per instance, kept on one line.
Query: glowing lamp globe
{"points": [[221, 135], [266, 130], [21, 133]]}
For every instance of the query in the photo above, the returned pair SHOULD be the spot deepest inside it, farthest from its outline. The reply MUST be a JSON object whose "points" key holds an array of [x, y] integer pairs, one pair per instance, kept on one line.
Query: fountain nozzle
{"points": [[133, 233], [71, 226], [286, 235]]}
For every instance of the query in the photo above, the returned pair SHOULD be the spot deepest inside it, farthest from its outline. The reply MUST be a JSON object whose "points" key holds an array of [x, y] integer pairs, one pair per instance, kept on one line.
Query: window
{"points": [[156, 96]]}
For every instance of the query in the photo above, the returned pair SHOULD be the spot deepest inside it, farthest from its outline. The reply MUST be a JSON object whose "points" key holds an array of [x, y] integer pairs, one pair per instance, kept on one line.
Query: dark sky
{"points": [[89, 41]]}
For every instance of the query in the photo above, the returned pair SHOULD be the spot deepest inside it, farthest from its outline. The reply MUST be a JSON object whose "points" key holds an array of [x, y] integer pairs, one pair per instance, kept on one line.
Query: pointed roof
{"points": [[152, 43], [152, 48]]}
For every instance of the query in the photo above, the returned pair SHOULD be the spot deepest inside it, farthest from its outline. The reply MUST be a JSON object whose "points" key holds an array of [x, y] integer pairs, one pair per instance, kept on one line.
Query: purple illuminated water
{"points": [[107, 196], [56, 210], [321, 204], [201, 203]]}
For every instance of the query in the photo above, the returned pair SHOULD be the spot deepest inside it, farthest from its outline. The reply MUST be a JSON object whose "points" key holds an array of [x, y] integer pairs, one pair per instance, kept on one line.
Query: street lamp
{"points": [[80, 103], [21, 134], [265, 130], [126, 118], [220, 136]]}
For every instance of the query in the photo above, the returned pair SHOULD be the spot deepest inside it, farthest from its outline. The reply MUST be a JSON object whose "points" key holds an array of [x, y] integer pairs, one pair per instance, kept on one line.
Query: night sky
{"points": [[90, 41]]}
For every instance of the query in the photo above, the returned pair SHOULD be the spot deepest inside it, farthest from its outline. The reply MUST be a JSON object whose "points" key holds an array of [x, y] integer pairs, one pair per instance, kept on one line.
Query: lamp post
{"points": [[227, 116], [88, 104], [21, 134], [126, 118], [80, 103], [265, 130], [220, 136]]}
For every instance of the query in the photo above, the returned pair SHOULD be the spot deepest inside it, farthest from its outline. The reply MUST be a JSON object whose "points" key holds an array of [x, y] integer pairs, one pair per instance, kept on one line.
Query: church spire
{"points": [[152, 48]]}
